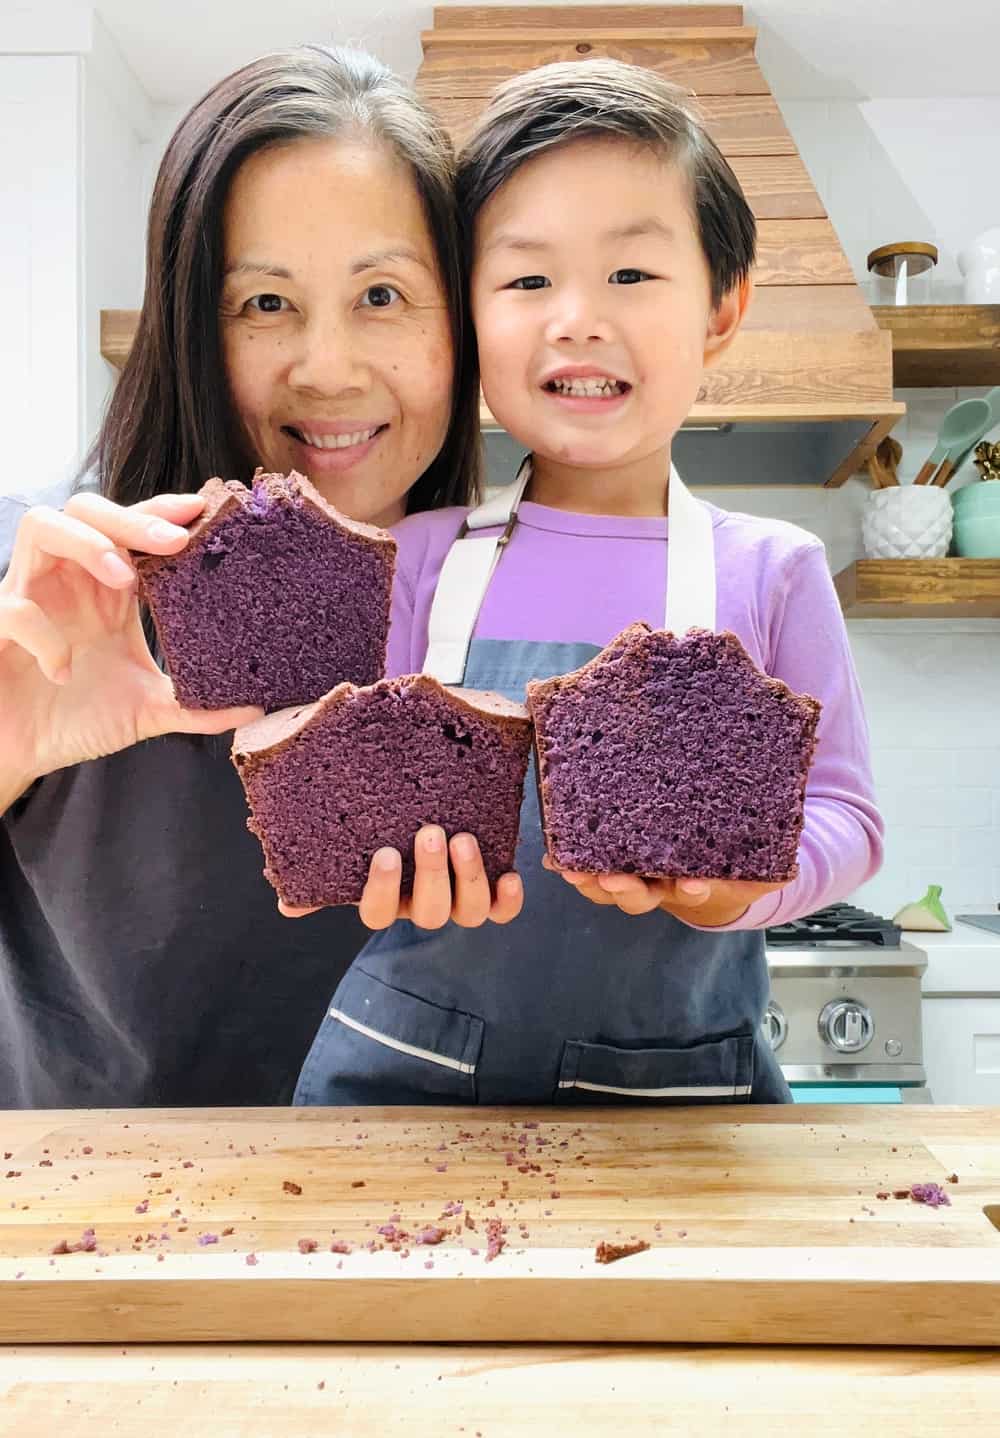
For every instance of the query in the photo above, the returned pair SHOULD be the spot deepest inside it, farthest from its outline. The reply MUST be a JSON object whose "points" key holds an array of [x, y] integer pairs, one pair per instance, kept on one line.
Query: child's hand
{"points": [[710, 902], [433, 903]]}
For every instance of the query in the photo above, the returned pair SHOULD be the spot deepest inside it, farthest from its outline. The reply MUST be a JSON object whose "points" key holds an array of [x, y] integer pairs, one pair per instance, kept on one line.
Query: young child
{"points": [[610, 251]]}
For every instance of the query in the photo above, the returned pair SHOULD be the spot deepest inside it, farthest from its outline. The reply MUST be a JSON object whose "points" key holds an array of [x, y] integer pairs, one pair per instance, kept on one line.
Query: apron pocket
{"points": [[397, 1048], [718, 1072]]}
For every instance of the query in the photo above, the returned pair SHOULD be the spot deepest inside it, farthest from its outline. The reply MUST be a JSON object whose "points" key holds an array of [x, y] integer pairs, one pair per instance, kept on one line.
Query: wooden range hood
{"points": [[807, 385], [804, 395]]}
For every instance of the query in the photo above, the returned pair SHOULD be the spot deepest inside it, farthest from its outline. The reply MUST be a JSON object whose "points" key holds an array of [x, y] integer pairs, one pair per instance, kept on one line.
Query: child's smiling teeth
{"points": [[588, 388], [334, 441]]}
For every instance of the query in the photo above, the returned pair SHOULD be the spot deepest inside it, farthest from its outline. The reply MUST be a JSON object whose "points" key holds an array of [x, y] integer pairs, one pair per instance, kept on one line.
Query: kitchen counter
{"points": [[758, 1225], [964, 961], [702, 1183], [381, 1391]]}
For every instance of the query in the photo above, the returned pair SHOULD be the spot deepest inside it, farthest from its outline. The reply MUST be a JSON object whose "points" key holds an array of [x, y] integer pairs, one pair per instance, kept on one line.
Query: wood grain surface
{"points": [[460, 1391], [764, 1225]]}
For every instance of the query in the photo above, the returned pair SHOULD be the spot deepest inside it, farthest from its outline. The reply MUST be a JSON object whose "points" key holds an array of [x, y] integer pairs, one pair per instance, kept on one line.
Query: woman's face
{"points": [[334, 322]]}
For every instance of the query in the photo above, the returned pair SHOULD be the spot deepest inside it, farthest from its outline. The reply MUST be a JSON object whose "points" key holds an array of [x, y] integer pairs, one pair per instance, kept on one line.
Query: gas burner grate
{"points": [[835, 926]]}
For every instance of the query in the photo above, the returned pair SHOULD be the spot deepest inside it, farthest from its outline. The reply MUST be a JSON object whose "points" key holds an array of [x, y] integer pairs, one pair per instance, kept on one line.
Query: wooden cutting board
{"points": [[764, 1225]]}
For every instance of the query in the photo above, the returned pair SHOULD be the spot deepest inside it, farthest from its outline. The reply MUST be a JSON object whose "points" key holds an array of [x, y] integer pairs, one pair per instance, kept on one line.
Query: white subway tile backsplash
{"points": [[919, 847], [938, 808], [977, 846], [906, 769], [978, 767]]}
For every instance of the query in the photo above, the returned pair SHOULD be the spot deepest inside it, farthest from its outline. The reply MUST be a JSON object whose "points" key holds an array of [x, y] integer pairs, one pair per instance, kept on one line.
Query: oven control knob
{"points": [[846, 1026], [775, 1025]]}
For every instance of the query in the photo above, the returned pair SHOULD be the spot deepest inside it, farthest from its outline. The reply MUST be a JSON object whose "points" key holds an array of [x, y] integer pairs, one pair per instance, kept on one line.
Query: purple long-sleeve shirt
{"points": [[582, 578]]}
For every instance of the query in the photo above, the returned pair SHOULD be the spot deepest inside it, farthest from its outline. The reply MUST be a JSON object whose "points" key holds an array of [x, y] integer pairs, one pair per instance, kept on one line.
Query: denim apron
{"points": [[572, 1002]]}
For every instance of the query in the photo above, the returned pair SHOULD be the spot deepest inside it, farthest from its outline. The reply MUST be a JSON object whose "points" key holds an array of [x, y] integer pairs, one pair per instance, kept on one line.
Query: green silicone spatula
{"points": [[992, 398], [962, 427]]}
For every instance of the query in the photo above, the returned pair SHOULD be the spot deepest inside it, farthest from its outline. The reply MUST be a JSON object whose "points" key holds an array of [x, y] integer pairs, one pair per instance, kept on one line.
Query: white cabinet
{"points": [[962, 1049]]}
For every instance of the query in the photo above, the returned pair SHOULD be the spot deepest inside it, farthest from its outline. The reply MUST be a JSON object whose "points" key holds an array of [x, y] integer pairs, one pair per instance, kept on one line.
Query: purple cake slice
{"points": [[330, 783], [276, 599], [673, 757]]}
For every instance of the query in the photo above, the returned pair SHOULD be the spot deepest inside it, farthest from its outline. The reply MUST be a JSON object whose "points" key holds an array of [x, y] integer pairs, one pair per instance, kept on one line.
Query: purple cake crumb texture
{"points": [[330, 783], [673, 757], [276, 598]]}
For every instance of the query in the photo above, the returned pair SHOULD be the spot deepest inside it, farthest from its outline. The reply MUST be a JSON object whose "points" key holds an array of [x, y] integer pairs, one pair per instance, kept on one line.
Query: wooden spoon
{"points": [[882, 464]]}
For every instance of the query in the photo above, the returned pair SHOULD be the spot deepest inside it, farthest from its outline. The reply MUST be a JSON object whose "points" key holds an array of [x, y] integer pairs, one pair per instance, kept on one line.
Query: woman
{"points": [[302, 310]]}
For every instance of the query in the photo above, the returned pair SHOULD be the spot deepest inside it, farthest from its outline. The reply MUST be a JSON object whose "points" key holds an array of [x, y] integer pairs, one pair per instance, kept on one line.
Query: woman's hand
{"points": [[433, 901], [76, 676], [709, 902]]}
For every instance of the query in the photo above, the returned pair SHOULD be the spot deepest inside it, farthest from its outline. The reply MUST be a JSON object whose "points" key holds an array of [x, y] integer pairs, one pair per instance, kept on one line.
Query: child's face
{"points": [[591, 298]]}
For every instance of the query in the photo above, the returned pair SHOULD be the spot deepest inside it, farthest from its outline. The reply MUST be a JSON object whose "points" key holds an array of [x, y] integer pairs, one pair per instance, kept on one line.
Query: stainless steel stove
{"points": [[844, 1015]]}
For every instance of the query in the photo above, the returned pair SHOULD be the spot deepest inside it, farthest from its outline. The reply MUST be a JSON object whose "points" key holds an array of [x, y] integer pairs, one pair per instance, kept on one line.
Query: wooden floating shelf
{"points": [[920, 589], [942, 346], [795, 377]]}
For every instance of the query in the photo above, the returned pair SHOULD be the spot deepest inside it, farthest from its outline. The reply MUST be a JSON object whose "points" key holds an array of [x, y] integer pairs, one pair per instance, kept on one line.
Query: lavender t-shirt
{"points": [[582, 578]]}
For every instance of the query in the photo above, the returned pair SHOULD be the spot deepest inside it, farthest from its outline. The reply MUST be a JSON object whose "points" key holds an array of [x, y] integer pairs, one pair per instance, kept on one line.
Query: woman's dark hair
{"points": [[584, 99], [170, 423]]}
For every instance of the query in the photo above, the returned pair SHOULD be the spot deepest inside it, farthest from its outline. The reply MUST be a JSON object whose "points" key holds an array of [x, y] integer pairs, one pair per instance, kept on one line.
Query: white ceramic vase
{"points": [[980, 265], [907, 521]]}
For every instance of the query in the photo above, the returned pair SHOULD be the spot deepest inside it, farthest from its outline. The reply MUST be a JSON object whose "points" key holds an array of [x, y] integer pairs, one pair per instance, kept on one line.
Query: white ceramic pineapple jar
{"points": [[907, 521]]}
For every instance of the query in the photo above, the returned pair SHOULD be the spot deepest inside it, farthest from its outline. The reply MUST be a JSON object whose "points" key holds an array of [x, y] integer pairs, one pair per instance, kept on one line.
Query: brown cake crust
{"points": [[260, 740], [541, 690], [224, 497]]}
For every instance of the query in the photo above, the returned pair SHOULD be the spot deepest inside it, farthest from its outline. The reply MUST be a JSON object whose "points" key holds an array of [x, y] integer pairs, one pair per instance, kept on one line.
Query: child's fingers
{"points": [[691, 893], [509, 900], [379, 906], [621, 883], [587, 886], [430, 907], [636, 904], [289, 912], [575, 877], [472, 888], [632, 894]]}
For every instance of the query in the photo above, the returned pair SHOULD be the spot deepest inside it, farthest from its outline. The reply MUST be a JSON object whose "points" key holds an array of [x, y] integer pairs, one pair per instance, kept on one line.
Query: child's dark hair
{"points": [[589, 99]]}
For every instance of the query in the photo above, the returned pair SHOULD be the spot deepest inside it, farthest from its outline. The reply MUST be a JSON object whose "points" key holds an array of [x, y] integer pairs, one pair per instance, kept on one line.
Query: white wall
{"points": [[117, 121], [73, 122], [892, 170], [41, 397]]}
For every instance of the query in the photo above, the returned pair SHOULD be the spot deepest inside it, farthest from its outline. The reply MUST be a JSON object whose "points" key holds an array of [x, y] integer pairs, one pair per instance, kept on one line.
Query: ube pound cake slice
{"points": [[330, 783], [673, 757], [276, 599]]}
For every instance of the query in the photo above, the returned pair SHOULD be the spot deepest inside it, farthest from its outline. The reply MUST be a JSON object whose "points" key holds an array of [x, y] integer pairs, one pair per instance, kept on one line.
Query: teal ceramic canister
{"points": [[977, 520]]}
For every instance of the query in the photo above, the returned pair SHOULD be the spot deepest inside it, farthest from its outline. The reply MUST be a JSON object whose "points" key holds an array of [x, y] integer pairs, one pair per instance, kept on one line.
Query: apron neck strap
{"points": [[690, 561], [470, 564]]}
